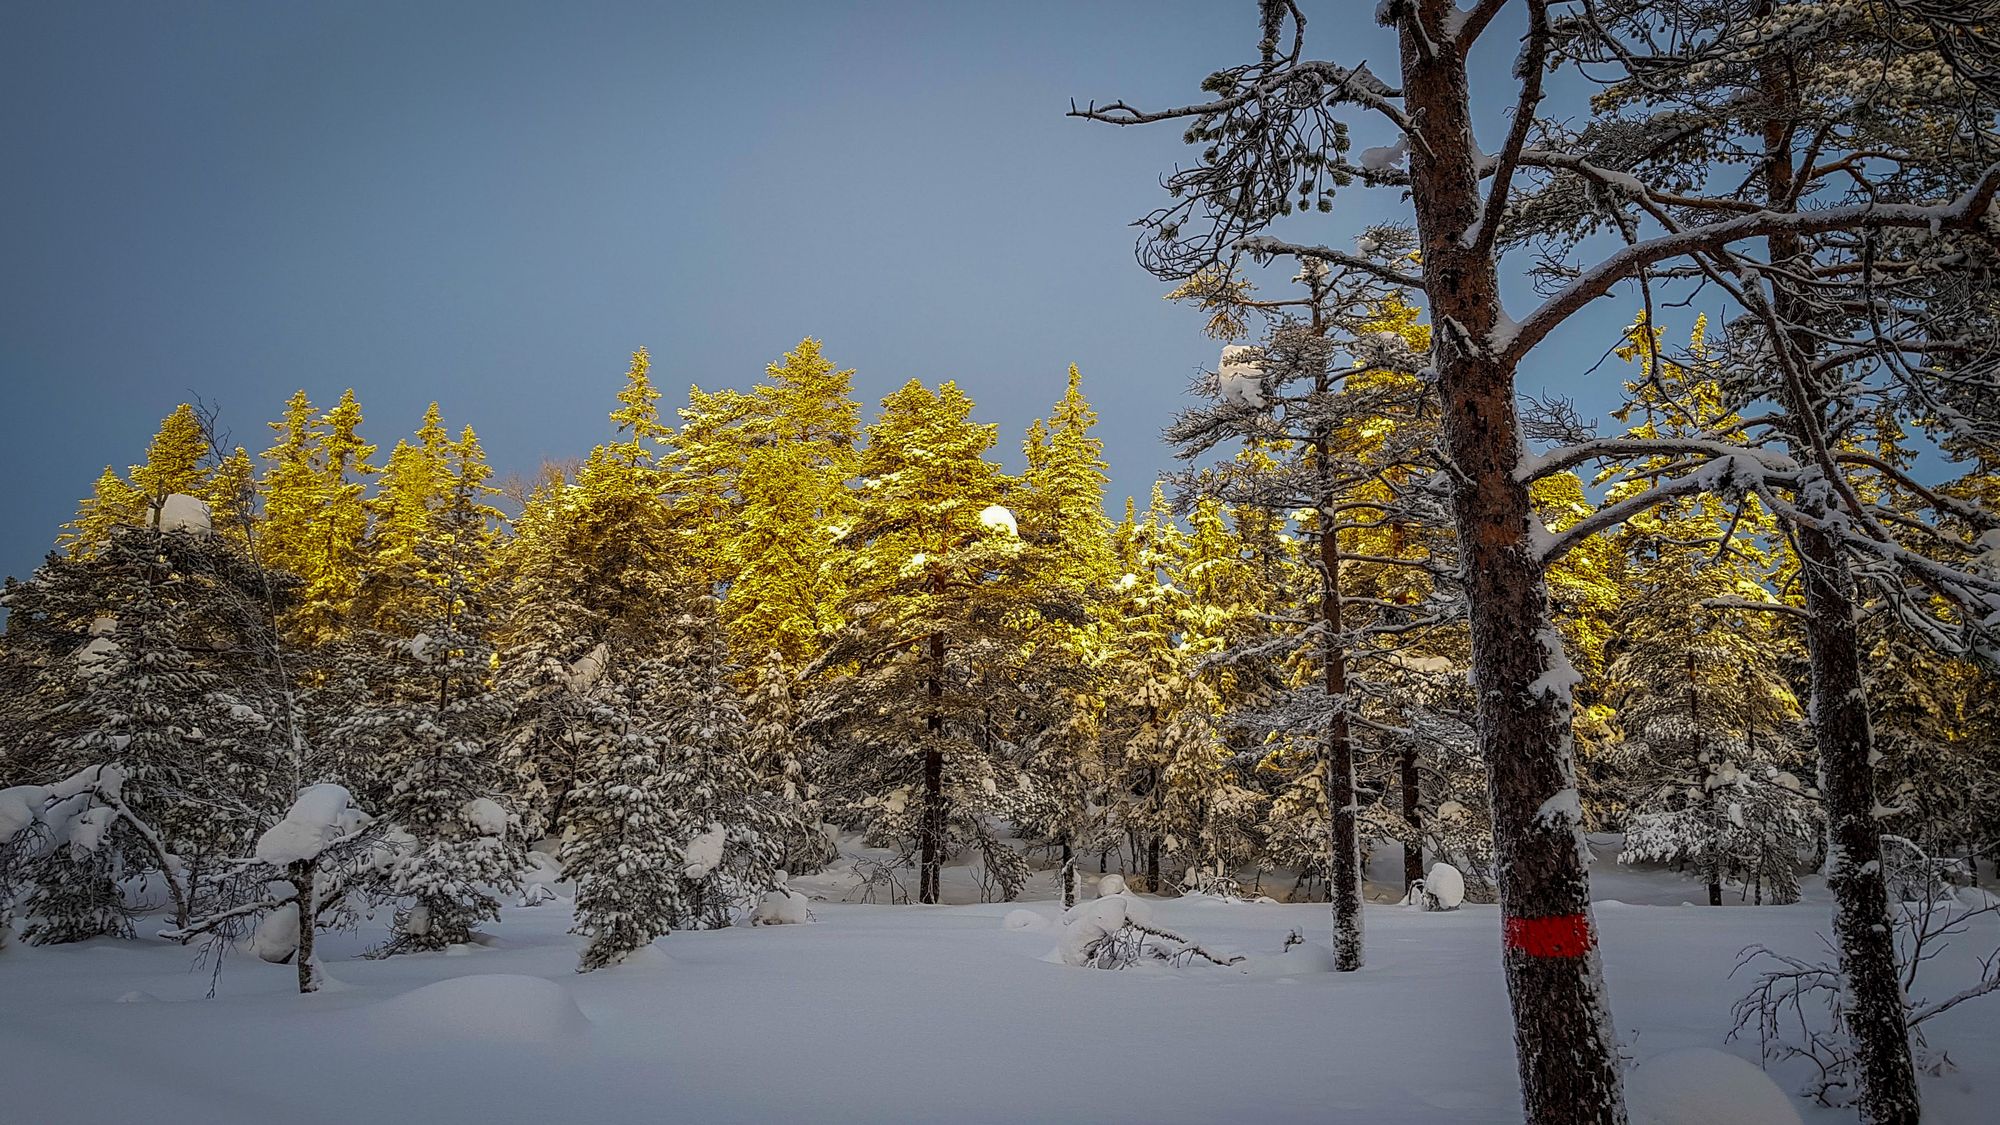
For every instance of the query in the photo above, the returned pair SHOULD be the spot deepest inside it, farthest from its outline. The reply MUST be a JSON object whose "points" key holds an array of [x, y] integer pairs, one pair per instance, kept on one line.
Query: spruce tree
{"points": [[620, 846], [921, 733]]}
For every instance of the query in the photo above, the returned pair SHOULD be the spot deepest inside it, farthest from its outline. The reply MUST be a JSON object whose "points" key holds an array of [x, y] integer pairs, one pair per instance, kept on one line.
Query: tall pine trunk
{"points": [[1413, 815], [1344, 857], [931, 832], [1562, 1020], [1863, 930], [1862, 927]]}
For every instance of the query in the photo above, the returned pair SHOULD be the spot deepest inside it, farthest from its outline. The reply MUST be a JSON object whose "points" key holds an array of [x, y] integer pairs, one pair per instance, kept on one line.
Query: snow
{"points": [[1383, 158], [587, 668], [793, 1023], [1109, 885], [704, 852], [1022, 921], [20, 807], [1704, 1086], [1564, 810], [320, 815], [95, 651], [782, 907], [1087, 923], [103, 626], [1240, 379], [184, 513], [507, 1007], [420, 648], [1561, 677], [996, 518], [1444, 887], [486, 815], [277, 935]]}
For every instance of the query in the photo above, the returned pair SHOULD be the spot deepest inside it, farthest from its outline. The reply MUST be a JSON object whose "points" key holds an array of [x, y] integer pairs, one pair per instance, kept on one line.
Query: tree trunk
{"points": [[1562, 1021], [1875, 1014], [1344, 857], [1153, 865], [1068, 871], [1413, 815], [931, 832], [1863, 930], [300, 874]]}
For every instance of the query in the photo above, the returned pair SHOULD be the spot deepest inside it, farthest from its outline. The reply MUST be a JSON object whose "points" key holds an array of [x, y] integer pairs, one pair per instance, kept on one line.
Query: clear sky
{"points": [[492, 204]]}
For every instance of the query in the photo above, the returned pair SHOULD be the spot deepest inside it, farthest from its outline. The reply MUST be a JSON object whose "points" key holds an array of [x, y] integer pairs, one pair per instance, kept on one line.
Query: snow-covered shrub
{"points": [[319, 850], [781, 907], [1441, 888], [1116, 931]]}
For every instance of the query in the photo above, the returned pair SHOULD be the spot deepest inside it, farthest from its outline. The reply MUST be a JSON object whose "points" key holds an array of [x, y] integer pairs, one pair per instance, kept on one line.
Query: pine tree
{"points": [[620, 847], [761, 496], [112, 503], [733, 830], [779, 757], [1059, 507], [920, 733], [1701, 682], [176, 459], [592, 568], [426, 711], [315, 519]]}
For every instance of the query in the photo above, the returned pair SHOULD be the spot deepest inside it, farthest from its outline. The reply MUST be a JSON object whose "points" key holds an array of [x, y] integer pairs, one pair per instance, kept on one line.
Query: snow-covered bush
{"points": [[1441, 888], [781, 906], [319, 850], [1116, 931]]}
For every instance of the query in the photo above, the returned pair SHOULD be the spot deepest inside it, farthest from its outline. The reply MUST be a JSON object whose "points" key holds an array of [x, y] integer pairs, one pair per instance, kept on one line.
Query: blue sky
{"points": [[492, 204]]}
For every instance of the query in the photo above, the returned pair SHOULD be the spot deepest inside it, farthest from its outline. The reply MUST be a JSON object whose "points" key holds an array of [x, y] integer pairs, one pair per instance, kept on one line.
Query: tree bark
{"points": [[931, 832], [1562, 1021], [1344, 855], [1863, 931], [1068, 874], [300, 874], [1413, 815], [1875, 1013]]}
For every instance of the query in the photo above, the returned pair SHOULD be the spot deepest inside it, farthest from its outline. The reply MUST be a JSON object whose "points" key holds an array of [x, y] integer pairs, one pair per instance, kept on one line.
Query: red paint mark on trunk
{"points": [[1566, 935]]}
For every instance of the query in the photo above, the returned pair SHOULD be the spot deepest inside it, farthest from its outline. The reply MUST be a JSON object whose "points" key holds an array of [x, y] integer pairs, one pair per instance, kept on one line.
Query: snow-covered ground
{"points": [[897, 1013]]}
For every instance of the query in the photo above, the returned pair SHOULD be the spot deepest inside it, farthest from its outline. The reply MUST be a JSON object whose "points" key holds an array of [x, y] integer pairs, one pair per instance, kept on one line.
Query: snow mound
{"points": [[321, 815], [704, 852], [1444, 887], [782, 907], [486, 815], [1024, 921], [277, 937], [180, 512], [1110, 885], [503, 1007], [20, 807], [1704, 1086], [994, 517], [137, 996], [1088, 923], [1240, 380]]}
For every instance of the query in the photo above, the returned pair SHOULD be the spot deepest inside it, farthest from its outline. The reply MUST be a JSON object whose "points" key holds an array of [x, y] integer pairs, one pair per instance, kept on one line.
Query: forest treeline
{"points": [[727, 635]]}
